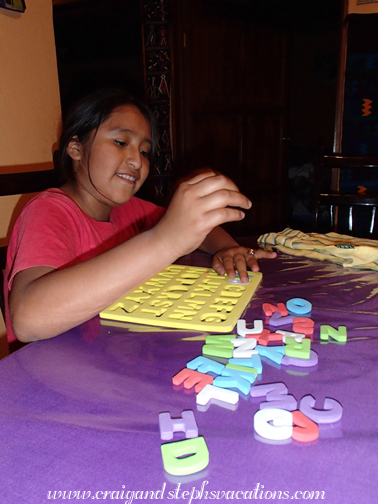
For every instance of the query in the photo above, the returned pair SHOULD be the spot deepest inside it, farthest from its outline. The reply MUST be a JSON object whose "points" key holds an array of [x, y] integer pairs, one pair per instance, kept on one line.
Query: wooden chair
{"points": [[352, 211], [22, 183]]}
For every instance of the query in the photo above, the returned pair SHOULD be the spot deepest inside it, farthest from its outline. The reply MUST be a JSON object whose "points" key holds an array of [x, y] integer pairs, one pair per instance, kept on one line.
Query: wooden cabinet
{"points": [[229, 103]]}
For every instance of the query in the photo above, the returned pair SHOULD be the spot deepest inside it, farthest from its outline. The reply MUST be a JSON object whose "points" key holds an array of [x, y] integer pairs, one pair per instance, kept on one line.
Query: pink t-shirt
{"points": [[53, 231]]}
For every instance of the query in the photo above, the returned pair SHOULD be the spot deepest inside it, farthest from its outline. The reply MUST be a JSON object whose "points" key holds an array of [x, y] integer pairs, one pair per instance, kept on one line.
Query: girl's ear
{"points": [[74, 148]]}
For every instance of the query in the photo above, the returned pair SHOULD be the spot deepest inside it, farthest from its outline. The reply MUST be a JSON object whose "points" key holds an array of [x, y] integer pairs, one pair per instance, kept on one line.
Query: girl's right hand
{"points": [[199, 205]]}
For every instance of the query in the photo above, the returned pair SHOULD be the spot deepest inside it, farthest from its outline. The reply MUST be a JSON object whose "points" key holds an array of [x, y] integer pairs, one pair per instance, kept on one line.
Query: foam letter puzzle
{"points": [[185, 297]]}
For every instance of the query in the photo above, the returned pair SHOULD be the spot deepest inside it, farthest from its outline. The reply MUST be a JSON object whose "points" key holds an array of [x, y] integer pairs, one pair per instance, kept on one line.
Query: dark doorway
{"points": [[98, 43]]}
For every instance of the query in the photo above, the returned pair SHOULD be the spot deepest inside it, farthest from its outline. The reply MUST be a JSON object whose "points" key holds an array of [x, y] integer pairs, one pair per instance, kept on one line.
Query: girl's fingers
{"points": [[265, 254], [220, 216], [198, 206], [217, 265], [240, 262], [252, 263], [228, 263], [236, 262], [226, 198], [201, 176], [210, 182], [239, 259]]}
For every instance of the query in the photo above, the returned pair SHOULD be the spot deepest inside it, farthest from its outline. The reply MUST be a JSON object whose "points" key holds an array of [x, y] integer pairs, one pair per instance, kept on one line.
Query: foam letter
{"points": [[281, 427], [192, 378], [185, 457], [331, 413], [269, 309], [243, 370], [244, 348], [204, 365], [304, 429], [299, 306], [288, 334], [298, 350], [253, 362], [242, 330], [186, 423], [303, 325], [235, 379], [266, 337], [271, 353], [213, 392], [277, 320], [219, 345], [276, 396], [293, 361], [339, 334]]}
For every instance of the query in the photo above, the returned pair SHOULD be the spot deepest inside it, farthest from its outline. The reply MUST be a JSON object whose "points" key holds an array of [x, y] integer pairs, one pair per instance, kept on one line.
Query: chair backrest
{"points": [[23, 183], [346, 195]]}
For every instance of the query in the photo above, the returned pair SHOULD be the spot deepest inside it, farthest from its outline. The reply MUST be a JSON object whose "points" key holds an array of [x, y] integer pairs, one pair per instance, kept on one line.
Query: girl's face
{"points": [[118, 162]]}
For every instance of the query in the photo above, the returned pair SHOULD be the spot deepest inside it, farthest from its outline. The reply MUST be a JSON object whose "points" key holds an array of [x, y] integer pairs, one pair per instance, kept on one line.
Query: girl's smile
{"points": [[113, 164]]}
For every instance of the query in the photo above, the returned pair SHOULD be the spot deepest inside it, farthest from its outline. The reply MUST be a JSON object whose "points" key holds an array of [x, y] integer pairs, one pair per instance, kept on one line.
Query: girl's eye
{"points": [[145, 154], [120, 143]]}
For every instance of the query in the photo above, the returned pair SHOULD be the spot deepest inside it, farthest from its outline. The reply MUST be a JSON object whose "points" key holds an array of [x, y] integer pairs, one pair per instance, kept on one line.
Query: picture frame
{"points": [[13, 5]]}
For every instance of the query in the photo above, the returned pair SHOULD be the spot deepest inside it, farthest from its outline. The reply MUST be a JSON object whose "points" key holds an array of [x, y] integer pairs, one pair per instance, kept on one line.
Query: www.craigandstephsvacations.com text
{"points": [[188, 496]]}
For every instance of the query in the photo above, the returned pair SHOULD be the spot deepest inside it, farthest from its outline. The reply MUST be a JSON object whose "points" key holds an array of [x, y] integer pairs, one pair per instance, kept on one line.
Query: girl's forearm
{"points": [[216, 240], [62, 299]]}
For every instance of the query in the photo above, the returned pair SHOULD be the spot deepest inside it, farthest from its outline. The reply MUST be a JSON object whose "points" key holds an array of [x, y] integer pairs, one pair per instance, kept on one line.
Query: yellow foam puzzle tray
{"points": [[186, 297]]}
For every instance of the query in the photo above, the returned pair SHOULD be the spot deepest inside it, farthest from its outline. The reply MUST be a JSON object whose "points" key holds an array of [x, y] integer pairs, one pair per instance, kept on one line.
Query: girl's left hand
{"points": [[231, 259]]}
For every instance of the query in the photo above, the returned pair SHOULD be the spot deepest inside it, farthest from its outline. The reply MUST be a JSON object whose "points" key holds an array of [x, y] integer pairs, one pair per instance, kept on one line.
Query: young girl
{"points": [[77, 249]]}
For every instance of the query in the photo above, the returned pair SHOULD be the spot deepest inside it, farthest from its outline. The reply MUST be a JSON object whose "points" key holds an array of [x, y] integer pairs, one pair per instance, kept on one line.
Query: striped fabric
{"points": [[348, 251]]}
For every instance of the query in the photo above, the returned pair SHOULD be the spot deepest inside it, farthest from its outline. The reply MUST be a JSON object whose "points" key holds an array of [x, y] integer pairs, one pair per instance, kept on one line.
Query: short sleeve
{"points": [[40, 238]]}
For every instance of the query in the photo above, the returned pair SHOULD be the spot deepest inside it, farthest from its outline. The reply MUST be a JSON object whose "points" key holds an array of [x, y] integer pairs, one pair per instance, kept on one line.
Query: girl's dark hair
{"points": [[88, 115]]}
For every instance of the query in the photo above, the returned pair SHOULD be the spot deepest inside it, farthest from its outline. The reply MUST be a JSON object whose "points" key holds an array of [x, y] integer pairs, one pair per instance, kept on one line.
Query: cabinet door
{"points": [[229, 103]]}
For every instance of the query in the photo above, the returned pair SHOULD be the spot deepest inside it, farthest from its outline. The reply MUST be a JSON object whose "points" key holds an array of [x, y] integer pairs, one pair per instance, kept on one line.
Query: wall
{"points": [[365, 8], [29, 99]]}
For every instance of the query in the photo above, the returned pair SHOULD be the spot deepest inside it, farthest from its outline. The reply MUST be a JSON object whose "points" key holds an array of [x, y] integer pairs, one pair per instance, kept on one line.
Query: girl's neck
{"points": [[86, 202]]}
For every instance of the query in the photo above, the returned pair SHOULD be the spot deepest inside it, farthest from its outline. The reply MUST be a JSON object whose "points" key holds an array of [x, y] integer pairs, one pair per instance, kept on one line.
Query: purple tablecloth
{"points": [[80, 412]]}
